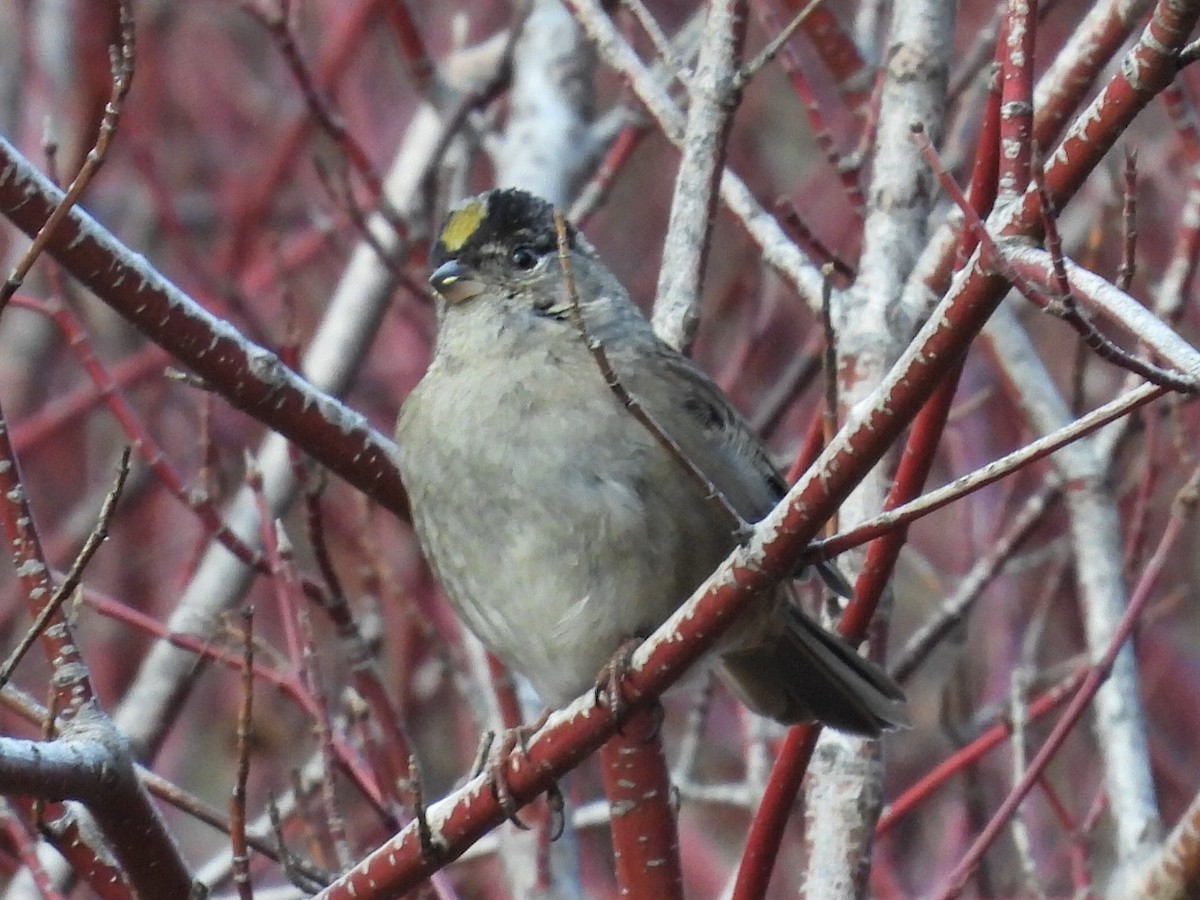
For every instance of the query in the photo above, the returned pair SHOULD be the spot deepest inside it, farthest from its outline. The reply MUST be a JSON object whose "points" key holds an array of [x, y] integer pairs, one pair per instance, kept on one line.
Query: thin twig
{"points": [[1065, 309], [122, 60], [789, 217], [941, 497], [829, 415], [713, 97], [429, 849], [769, 52], [341, 193], [329, 120], [454, 118], [68, 585], [1128, 267], [296, 869], [1183, 509], [847, 168], [953, 609], [1019, 827], [662, 44], [26, 847], [335, 821], [1053, 241], [596, 348], [237, 802]]}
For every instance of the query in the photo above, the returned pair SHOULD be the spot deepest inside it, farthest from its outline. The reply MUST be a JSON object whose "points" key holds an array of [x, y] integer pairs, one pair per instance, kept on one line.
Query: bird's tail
{"points": [[797, 671]]}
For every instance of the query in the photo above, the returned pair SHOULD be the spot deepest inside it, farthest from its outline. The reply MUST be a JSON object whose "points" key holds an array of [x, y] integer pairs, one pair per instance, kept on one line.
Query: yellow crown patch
{"points": [[462, 224]]}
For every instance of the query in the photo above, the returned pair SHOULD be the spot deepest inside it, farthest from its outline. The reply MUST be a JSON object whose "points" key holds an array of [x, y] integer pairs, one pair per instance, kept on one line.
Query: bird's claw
{"points": [[608, 681], [494, 762]]}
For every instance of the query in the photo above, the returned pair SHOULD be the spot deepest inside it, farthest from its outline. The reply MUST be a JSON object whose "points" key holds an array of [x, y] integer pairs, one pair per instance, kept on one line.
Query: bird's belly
{"points": [[554, 603], [557, 565]]}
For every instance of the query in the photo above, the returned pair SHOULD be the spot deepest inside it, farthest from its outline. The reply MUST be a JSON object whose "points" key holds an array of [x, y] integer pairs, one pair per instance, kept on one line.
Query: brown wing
{"points": [[693, 411]]}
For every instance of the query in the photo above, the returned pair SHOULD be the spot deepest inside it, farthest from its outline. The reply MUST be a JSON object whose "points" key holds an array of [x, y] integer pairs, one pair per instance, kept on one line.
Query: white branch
{"points": [[713, 94], [1096, 537], [777, 249]]}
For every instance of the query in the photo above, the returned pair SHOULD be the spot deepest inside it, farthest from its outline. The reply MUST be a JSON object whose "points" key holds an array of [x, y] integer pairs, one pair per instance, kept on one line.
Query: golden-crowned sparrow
{"points": [[557, 523]]}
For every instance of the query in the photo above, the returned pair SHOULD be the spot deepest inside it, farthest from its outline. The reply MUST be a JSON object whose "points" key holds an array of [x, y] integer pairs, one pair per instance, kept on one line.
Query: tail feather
{"points": [[799, 671]]}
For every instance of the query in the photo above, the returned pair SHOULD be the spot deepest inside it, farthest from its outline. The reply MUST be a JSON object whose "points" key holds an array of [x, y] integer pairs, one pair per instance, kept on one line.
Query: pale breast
{"points": [[536, 521]]}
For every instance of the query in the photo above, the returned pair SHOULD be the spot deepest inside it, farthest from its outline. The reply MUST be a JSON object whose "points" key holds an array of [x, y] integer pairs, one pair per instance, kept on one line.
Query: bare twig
{"points": [[1097, 674], [953, 609], [777, 250], [771, 50], [122, 60], [1128, 267], [1011, 262], [940, 497], [237, 802], [69, 583], [714, 92], [277, 24], [639, 412]]}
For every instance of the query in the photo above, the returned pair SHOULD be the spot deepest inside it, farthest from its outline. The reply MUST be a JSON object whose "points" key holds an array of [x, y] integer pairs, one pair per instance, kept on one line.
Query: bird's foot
{"points": [[608, 681], [493, 758]]}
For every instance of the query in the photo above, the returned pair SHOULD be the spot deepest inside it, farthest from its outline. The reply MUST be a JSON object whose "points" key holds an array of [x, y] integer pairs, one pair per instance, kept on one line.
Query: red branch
{"points": [[249, 377], [638, 788]]}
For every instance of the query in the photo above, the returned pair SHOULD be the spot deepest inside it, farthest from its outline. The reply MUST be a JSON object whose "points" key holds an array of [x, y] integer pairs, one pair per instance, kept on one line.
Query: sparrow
{"points": [[558, 524]]}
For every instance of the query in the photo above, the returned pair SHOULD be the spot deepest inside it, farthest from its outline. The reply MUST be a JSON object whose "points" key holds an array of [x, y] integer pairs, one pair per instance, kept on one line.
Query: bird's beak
{"points": [[452, 280]]}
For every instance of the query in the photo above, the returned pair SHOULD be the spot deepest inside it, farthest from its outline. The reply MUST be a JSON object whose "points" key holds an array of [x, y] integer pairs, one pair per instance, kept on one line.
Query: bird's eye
{"points": [[524, 258]]}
